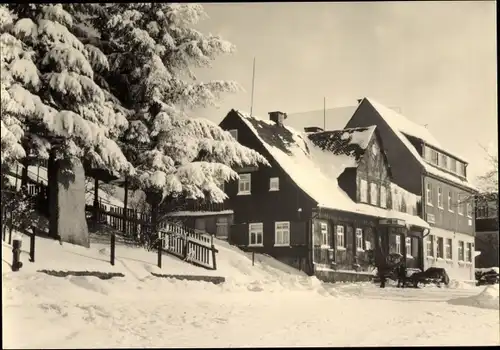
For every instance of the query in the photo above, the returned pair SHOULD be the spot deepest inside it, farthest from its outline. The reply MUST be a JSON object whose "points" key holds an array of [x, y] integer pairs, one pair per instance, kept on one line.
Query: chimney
{"points": [[313, 129], [277, 117]]}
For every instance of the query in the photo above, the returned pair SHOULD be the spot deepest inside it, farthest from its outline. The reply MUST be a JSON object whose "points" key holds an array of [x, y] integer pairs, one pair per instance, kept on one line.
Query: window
{"points": [[429, 246], [398, 244], [222, 227], [434, 157], [383, 197], [440, 252], [469, 210], [359, 239], [324, 235], [460, 250], [461, 169], [373, 194], [460, 207], [256, 234], [274, 184], [244, 184], [427, 154], [234, 133], [450, 201], [282, 233], [468, 252], [340, 237], [482, 212], [428, 194], [453, 165], [414, 246], [448, 247], [408, 246], [440, 197], [363, 191], [444, 161]]}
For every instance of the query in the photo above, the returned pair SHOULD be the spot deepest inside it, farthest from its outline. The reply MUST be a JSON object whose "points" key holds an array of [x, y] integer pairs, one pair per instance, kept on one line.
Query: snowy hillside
{"points": [[268, 304]]}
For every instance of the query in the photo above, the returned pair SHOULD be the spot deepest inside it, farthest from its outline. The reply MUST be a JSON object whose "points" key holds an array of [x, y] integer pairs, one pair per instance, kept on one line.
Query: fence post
{"points": [[16, 252], [213, 253], [112, 253], [186, 247], [32, 244], [10, 227], [160, 248], [253, 258]]}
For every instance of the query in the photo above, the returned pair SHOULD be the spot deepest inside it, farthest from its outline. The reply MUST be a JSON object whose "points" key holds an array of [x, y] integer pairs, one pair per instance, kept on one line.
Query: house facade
{"points": [[420, 165], [487, 242], [326, 202]]}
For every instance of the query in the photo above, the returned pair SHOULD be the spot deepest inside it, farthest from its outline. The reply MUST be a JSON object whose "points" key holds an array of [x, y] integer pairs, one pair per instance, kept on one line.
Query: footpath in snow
{"points": [[269, 304]]}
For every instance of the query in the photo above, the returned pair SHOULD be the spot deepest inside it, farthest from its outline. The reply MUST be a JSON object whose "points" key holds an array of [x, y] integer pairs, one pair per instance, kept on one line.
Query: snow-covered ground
{"points": [[269, 304]]}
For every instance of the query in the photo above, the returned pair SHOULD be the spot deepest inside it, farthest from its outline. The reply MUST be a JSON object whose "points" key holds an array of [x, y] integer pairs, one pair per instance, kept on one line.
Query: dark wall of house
{"points": [[444, 218], [416, 143], [406, 170], [488, 244], [290, 203], [487, 224]]}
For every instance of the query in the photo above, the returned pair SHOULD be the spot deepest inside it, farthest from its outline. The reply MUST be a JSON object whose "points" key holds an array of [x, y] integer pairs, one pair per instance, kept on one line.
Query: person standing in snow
{"points": [[402, 275]]}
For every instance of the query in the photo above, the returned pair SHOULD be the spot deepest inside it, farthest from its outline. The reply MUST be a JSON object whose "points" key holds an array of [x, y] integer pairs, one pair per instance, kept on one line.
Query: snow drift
{"points": [[487, 299]]}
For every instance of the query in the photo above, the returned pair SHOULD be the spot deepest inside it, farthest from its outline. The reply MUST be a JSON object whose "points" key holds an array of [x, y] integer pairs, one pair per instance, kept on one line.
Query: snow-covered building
{"points": [[325, 202], [421, 165]]}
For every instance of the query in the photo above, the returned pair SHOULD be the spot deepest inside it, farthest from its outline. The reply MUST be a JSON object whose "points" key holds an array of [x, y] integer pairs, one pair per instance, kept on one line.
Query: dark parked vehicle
{"points": [[436, 275], [487, 276]]}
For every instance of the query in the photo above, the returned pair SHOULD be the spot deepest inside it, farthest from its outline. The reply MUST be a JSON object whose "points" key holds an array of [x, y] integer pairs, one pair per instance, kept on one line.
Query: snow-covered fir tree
{"points": [[50, 99], [152, 50]]}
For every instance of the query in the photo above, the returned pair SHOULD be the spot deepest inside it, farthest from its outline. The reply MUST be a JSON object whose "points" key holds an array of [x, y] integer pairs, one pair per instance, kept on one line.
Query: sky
{"points": [[434, 61]]}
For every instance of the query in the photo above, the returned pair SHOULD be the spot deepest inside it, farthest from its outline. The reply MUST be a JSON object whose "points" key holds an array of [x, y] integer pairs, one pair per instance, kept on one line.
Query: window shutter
{"points": [[298, 232], [238, 234]]}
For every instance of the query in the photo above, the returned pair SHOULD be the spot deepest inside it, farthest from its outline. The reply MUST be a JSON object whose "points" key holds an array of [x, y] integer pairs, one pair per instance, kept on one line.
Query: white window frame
{"points": [[440, 197], [468, 252], [234, 133], [283, 228], [450, 201], [256, 228], [448, 246], [453, 165], [440, 249], [460, 168], [444, 159], [428, 194], [373, 189], [408, 247], [460, 207], [461, 251], [274, 184], [325, 241], [434, 154], [245, 179], [340, 232], [398, 244], [429, 243], [469, 209], [383, 197], [363, 191], [359, 240]]}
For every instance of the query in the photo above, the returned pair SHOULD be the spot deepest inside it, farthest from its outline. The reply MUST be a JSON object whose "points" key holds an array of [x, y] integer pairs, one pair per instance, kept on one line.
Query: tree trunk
{"points": [[66, 189], [153, 198], [125, 206]]}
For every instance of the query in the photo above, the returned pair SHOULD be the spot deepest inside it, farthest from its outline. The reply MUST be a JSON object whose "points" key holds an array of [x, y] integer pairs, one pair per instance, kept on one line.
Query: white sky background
{"points": [[436, 61]]}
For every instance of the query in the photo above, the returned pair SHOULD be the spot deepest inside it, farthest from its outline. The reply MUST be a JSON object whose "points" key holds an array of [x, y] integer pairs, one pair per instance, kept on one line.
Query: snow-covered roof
{"points": [[350, 142], [401, 125], [329, 119], [314, 170]]}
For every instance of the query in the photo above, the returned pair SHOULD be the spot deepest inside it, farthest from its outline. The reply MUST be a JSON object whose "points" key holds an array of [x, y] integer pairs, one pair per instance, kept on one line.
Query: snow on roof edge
{"points": [[352, 206]]}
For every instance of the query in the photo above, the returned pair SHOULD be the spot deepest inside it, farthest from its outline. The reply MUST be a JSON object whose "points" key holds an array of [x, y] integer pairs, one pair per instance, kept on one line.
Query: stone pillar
{"points": [[67, 218]]}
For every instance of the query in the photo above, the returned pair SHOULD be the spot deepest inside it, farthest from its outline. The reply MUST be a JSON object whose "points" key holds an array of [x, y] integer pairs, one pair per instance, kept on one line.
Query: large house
{"points": [[325, 202], [487, 241], [420, 165]]}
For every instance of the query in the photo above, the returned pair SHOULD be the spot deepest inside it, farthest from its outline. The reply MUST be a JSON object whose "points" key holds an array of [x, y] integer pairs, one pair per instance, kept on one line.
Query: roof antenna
{"points": [[324, 113], [253, 84]]}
